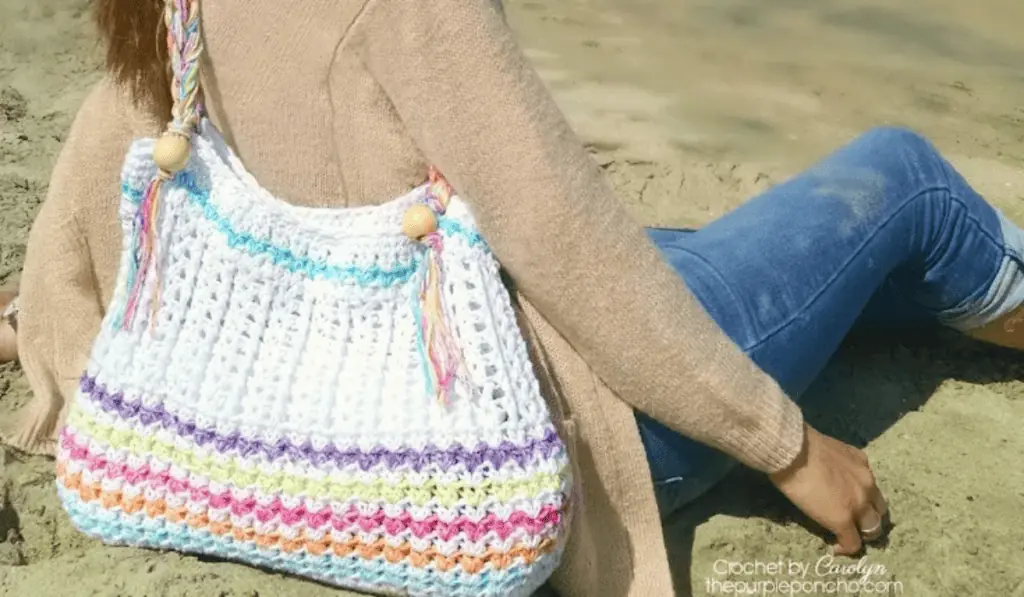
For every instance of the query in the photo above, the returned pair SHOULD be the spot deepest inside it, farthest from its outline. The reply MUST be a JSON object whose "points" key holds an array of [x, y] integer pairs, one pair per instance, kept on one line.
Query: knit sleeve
{"points": [[56, 310], [480, 113], [60, 295]]}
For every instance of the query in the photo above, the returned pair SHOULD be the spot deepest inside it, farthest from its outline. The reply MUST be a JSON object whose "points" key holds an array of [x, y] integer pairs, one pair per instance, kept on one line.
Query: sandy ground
{"points": [[691, 107]]}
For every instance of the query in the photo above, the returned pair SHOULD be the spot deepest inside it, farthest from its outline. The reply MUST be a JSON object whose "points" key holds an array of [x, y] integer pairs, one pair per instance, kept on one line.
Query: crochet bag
{"points": [[340, 394]]}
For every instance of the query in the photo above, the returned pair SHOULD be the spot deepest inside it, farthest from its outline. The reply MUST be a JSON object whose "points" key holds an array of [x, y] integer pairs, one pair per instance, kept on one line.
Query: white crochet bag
{"points": [[338, 394]]}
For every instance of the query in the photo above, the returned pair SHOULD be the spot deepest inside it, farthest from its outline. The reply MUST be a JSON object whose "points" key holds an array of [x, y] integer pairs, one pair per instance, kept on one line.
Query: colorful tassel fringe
{"points": [[144, 260], [442, 353]]}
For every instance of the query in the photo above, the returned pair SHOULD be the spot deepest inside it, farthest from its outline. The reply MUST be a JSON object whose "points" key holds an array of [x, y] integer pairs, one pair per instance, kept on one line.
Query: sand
{"points": [[691, 107]]}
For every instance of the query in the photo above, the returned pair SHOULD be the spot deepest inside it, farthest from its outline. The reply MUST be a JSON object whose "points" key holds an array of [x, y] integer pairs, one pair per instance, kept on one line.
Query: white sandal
{"points": [[8, 331]]}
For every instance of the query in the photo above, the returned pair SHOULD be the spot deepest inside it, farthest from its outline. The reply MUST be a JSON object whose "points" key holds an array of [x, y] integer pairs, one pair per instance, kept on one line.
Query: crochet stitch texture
{"points": [[271, 401]]}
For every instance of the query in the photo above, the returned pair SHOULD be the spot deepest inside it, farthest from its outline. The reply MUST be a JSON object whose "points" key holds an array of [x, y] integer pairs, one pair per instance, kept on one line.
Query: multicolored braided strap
{"points": [[337, 394]]}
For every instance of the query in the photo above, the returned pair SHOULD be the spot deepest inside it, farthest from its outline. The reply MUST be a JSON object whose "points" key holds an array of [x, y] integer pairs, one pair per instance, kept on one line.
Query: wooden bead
{"points": [[171, 152], [418, 221]]}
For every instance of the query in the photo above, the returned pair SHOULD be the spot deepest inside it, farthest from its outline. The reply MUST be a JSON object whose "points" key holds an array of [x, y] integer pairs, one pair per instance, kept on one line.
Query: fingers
{"points": [[878, 505], [878, 502], [870, 524], [869, 509], [866, 526], [848, 539]]}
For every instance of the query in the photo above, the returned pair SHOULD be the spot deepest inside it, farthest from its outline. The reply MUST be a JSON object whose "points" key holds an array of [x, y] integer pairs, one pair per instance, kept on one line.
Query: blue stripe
{"points": [[364, 276], [138, 530]]}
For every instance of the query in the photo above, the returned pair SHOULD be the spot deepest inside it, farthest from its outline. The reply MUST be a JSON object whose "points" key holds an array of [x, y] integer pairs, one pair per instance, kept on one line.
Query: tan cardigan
{"points": [[345, 103]]}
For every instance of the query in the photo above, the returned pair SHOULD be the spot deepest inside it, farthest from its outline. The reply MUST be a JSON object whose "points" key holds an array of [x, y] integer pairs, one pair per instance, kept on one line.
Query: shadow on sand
{"points": [[869, 386]]}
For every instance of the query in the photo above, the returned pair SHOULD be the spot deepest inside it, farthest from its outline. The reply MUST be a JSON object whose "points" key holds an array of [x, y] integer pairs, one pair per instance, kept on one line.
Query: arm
{"points": [[74, 241], [56, 309], [481, 114]]}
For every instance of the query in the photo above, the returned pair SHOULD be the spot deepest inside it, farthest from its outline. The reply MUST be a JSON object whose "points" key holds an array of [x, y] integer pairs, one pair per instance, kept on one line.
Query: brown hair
{"points": [[136, 44]]}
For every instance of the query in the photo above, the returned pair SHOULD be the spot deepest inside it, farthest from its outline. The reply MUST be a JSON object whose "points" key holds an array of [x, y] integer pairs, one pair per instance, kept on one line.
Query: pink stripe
{"points": [[350, 520]]}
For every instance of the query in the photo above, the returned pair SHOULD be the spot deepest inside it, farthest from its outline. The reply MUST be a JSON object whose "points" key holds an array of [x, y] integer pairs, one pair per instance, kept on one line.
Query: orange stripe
{"points": [[156, 508]]}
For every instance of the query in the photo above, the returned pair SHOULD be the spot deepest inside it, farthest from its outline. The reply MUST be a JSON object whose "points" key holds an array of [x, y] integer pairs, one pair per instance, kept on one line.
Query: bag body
{"points": [[313, 391]]}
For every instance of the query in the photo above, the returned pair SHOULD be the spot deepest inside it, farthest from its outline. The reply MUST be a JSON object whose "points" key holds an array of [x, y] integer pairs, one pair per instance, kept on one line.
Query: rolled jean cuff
{"points": [[1004, 294]]}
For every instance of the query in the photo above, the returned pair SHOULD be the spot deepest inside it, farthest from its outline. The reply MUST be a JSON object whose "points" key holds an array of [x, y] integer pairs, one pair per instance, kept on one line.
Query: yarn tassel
{"points": [[171, 152], [143, 263], [441, 351]]}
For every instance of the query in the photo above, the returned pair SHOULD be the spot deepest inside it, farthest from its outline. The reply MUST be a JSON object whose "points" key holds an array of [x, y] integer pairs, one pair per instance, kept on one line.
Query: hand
{"points": [[832, 483]]}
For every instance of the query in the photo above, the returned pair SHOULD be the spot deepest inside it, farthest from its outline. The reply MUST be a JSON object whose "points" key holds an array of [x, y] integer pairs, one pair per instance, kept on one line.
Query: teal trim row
{"points": [[117, 528], [364, 276]]}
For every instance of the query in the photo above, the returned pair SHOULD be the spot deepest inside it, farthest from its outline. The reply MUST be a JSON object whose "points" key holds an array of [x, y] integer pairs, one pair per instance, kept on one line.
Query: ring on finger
{"points": [[872, 533]]}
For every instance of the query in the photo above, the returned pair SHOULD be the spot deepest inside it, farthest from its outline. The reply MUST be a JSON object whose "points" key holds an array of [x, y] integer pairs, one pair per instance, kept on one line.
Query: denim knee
{"points": [[898, 136], [969, 253], [903, 142]]}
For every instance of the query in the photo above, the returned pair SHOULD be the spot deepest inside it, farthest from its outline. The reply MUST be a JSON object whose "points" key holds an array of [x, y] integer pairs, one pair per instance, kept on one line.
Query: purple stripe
{"points": [[430, 457]]}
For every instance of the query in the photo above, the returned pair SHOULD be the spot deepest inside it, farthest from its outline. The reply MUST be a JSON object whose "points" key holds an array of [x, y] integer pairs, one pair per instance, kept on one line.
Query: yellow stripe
{"points": [[230, 473]]}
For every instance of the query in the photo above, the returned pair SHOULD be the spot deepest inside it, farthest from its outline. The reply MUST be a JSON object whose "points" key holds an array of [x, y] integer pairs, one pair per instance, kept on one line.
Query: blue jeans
{"points": [[882, 233]]}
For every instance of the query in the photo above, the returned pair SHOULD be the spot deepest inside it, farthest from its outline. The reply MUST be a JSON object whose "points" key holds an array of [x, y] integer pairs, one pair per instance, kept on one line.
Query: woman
{"points": [[641, 344]]}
